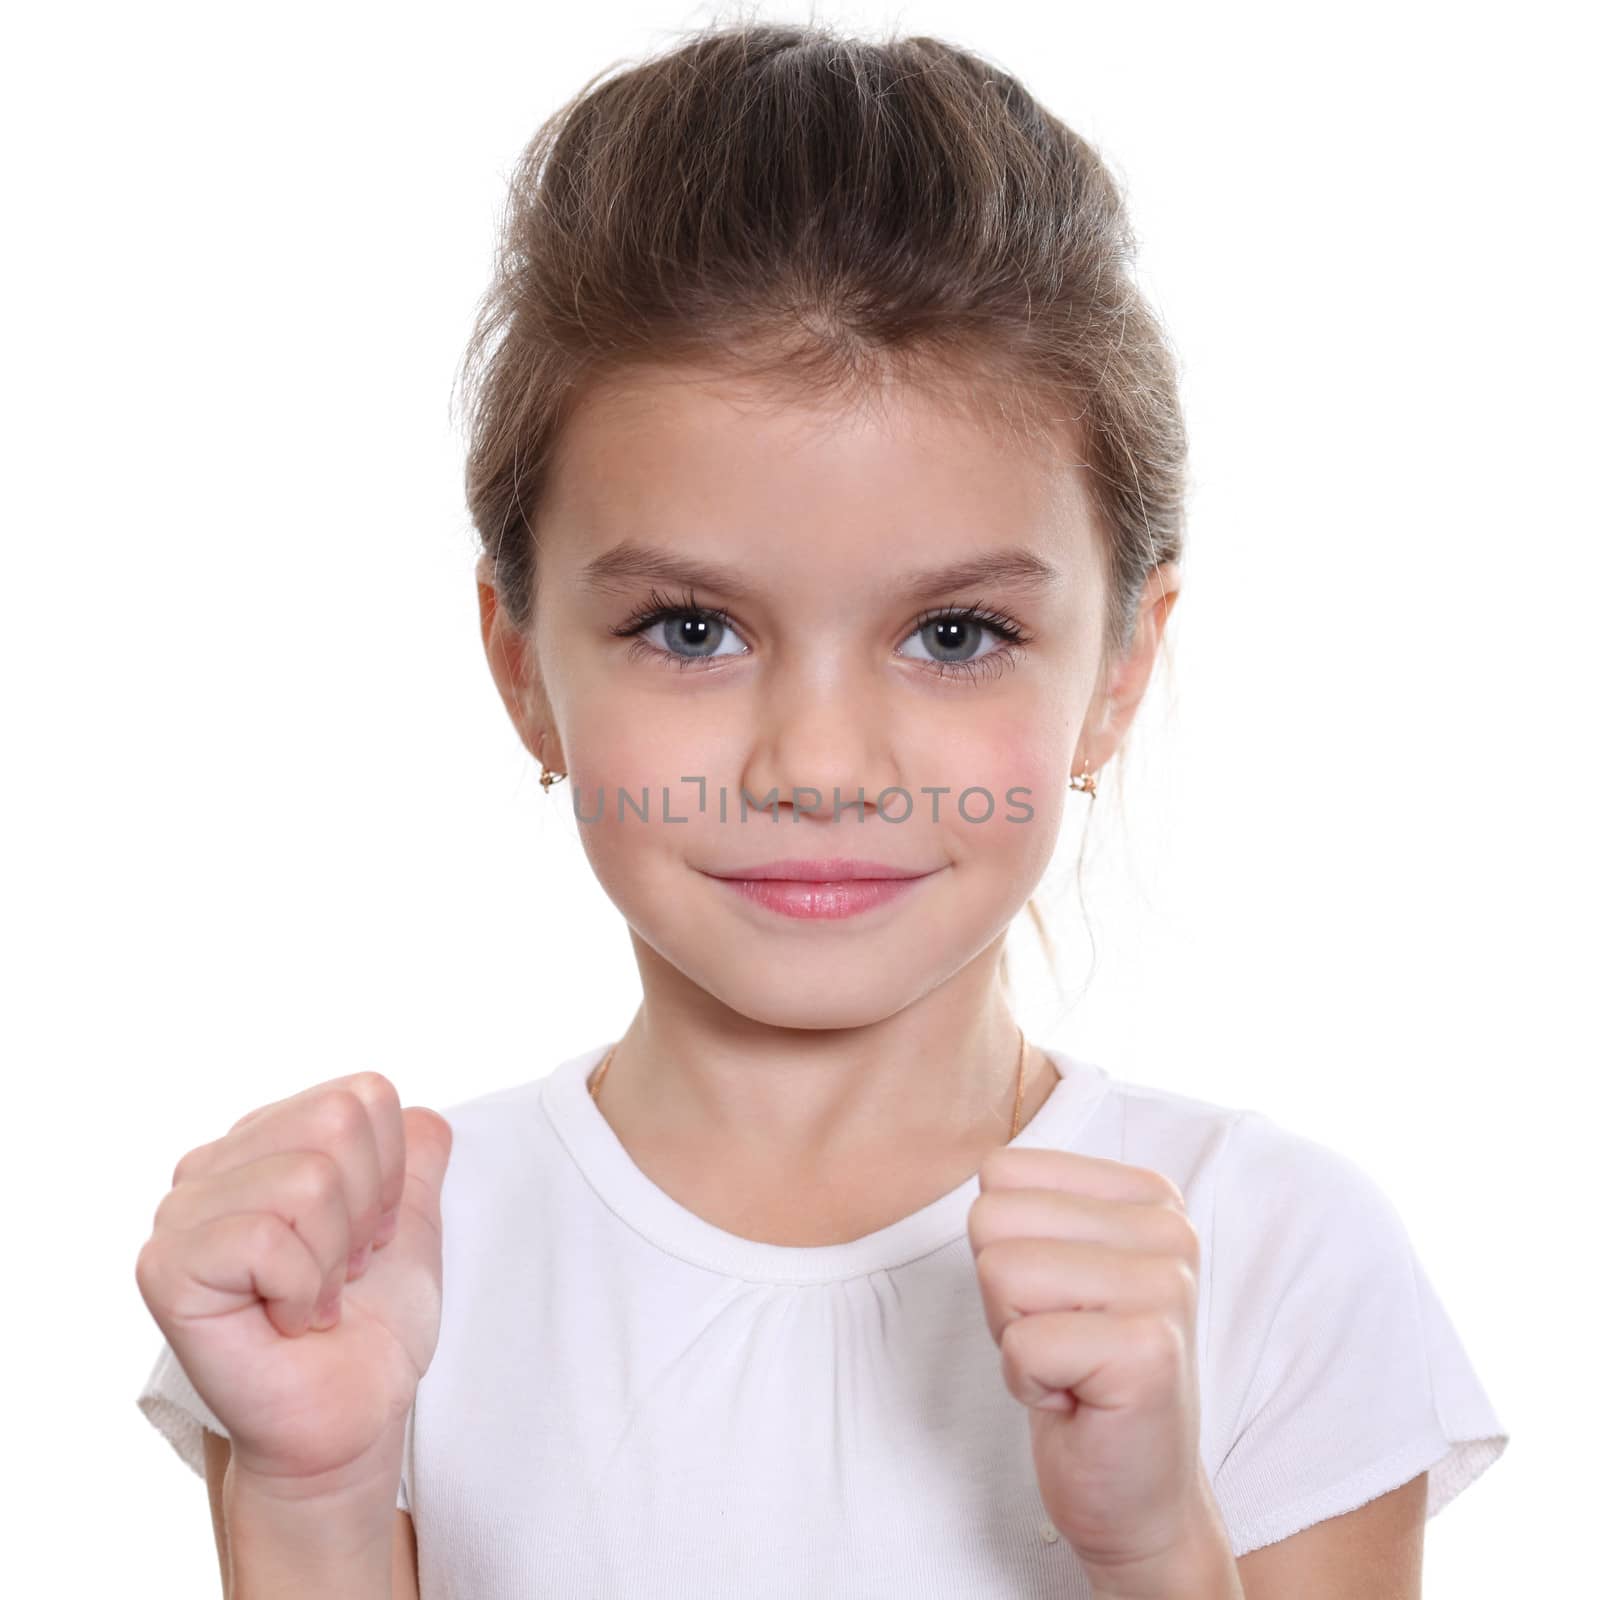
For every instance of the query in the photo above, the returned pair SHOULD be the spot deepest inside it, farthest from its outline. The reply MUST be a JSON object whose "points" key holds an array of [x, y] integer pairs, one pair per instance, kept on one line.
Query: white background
{"points": [[266, 821]]}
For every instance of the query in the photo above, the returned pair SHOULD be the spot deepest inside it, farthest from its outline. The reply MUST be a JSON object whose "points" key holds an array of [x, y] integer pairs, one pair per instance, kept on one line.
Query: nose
{"points": [[819, 731]]}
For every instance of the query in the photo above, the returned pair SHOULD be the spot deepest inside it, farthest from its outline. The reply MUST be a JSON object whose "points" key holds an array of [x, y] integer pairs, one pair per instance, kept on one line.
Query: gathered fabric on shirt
{"points": [[627, 1400]]}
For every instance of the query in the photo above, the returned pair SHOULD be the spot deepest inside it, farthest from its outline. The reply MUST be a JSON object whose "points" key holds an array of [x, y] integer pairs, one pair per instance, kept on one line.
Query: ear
{"points": [[1117, 698], [515, 668]]}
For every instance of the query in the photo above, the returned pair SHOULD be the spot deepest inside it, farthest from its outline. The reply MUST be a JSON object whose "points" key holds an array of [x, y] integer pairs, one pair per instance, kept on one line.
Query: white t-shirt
{"points": [[627, 1400]]}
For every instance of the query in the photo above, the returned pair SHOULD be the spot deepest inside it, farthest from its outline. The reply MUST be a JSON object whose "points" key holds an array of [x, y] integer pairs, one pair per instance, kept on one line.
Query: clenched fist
{"points": [[1088, 1271], [295, 1268]]}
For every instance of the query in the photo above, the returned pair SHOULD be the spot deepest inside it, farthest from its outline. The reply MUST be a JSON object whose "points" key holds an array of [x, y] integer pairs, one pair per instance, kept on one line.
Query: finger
{"points": [[1060, 1360], [382, 1102], [1020, 1278], [430, 1139], [303, 1187], [1028, 1167], [343, 1082], [334, 1121], [227, 1264], [1058, 1214]]}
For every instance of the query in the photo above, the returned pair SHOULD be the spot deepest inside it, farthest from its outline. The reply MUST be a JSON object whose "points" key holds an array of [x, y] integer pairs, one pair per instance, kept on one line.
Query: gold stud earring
{"points": [[1083, 781], [546, 776]]}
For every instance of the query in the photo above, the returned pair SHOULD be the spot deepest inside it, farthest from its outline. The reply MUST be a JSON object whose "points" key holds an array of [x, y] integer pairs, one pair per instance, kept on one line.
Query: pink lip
{"points": [[836, 869], [822, 889]]}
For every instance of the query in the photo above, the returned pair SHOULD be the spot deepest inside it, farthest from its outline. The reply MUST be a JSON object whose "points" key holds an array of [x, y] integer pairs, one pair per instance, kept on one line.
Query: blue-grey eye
{"points": [[951, 640], [692, 635]]}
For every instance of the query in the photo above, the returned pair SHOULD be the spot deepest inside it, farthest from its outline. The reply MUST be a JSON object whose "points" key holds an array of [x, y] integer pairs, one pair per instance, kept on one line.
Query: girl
{"points": [[829, 469]]}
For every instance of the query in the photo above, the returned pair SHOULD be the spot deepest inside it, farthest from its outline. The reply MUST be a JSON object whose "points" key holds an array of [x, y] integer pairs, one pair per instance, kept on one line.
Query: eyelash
{"points": [[664, 608]]}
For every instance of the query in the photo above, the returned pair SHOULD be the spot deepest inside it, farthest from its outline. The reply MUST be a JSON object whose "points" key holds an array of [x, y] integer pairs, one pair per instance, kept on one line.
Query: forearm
{"points": [[278, 1550]]}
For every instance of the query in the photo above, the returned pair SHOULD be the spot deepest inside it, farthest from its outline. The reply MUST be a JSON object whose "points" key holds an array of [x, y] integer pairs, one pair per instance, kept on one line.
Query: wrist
{"points": [[283, 1543], [1198, 1564]]}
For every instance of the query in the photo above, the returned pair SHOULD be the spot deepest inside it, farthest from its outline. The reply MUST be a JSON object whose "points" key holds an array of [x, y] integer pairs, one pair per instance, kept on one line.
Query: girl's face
{"points": [[741, 596]]}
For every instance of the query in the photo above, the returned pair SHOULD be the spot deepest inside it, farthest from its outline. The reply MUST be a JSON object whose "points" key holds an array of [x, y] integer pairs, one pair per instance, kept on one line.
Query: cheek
{"points": [[634, 764], [1005, 802], [636, 746]]}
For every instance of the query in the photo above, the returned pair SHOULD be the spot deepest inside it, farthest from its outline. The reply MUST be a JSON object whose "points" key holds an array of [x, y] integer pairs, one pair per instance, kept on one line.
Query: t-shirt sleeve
{"points": [[1338, 1369], [169, 1401]]}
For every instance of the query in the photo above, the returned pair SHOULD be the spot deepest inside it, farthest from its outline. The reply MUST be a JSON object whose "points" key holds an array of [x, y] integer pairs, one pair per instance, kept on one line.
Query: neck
{"points": [[937, 1076]]}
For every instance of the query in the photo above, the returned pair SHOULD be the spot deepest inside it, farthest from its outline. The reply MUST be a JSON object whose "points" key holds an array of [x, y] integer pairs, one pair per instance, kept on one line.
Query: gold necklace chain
{"points": [[1016, 1110]]}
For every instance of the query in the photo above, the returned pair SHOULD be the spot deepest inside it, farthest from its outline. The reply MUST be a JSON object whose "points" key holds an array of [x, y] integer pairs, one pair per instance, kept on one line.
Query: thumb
{"points": [[429, 1138]]}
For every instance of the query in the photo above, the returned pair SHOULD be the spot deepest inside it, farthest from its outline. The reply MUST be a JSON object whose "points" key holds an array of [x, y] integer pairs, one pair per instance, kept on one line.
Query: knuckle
{"points": [[979, 1223], [1013, 1343], [262, 1234], [992, 1267], [166, 1212], [373, 1087], [338, 1116], [1013, 1333], [149, 1269], [1162, 1341], [1185, 1237], [984, 1267], [1188, 1284], [1149, 1340], [997, 1164], [246, 1119], [317, 1177], [988, 1168], [190, 1163]]}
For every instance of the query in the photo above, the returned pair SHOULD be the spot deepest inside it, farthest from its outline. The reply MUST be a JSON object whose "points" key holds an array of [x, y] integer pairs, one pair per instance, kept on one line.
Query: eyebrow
{"points": [[1013, 567]]}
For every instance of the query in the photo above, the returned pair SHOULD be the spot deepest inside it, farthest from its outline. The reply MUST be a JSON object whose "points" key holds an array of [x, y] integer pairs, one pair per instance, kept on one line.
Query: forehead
{"points": [[730, 469]]}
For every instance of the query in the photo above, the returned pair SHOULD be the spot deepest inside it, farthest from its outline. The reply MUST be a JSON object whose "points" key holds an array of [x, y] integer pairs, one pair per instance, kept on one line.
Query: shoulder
{"points": [[504, 1140], [1312, 1279], [1293, 1194], [1300, 1236], [1251, 1175], [494, 1109], [1183, 1136], [504, 1114]]}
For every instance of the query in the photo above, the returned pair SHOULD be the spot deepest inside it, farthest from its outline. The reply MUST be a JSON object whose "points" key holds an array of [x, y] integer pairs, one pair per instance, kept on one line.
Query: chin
{"points": [[813, 990]]}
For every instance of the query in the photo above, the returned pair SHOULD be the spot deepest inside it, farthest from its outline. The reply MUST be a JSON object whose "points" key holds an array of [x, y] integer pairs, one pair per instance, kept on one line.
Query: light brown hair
{"points": [[825, 213]]}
